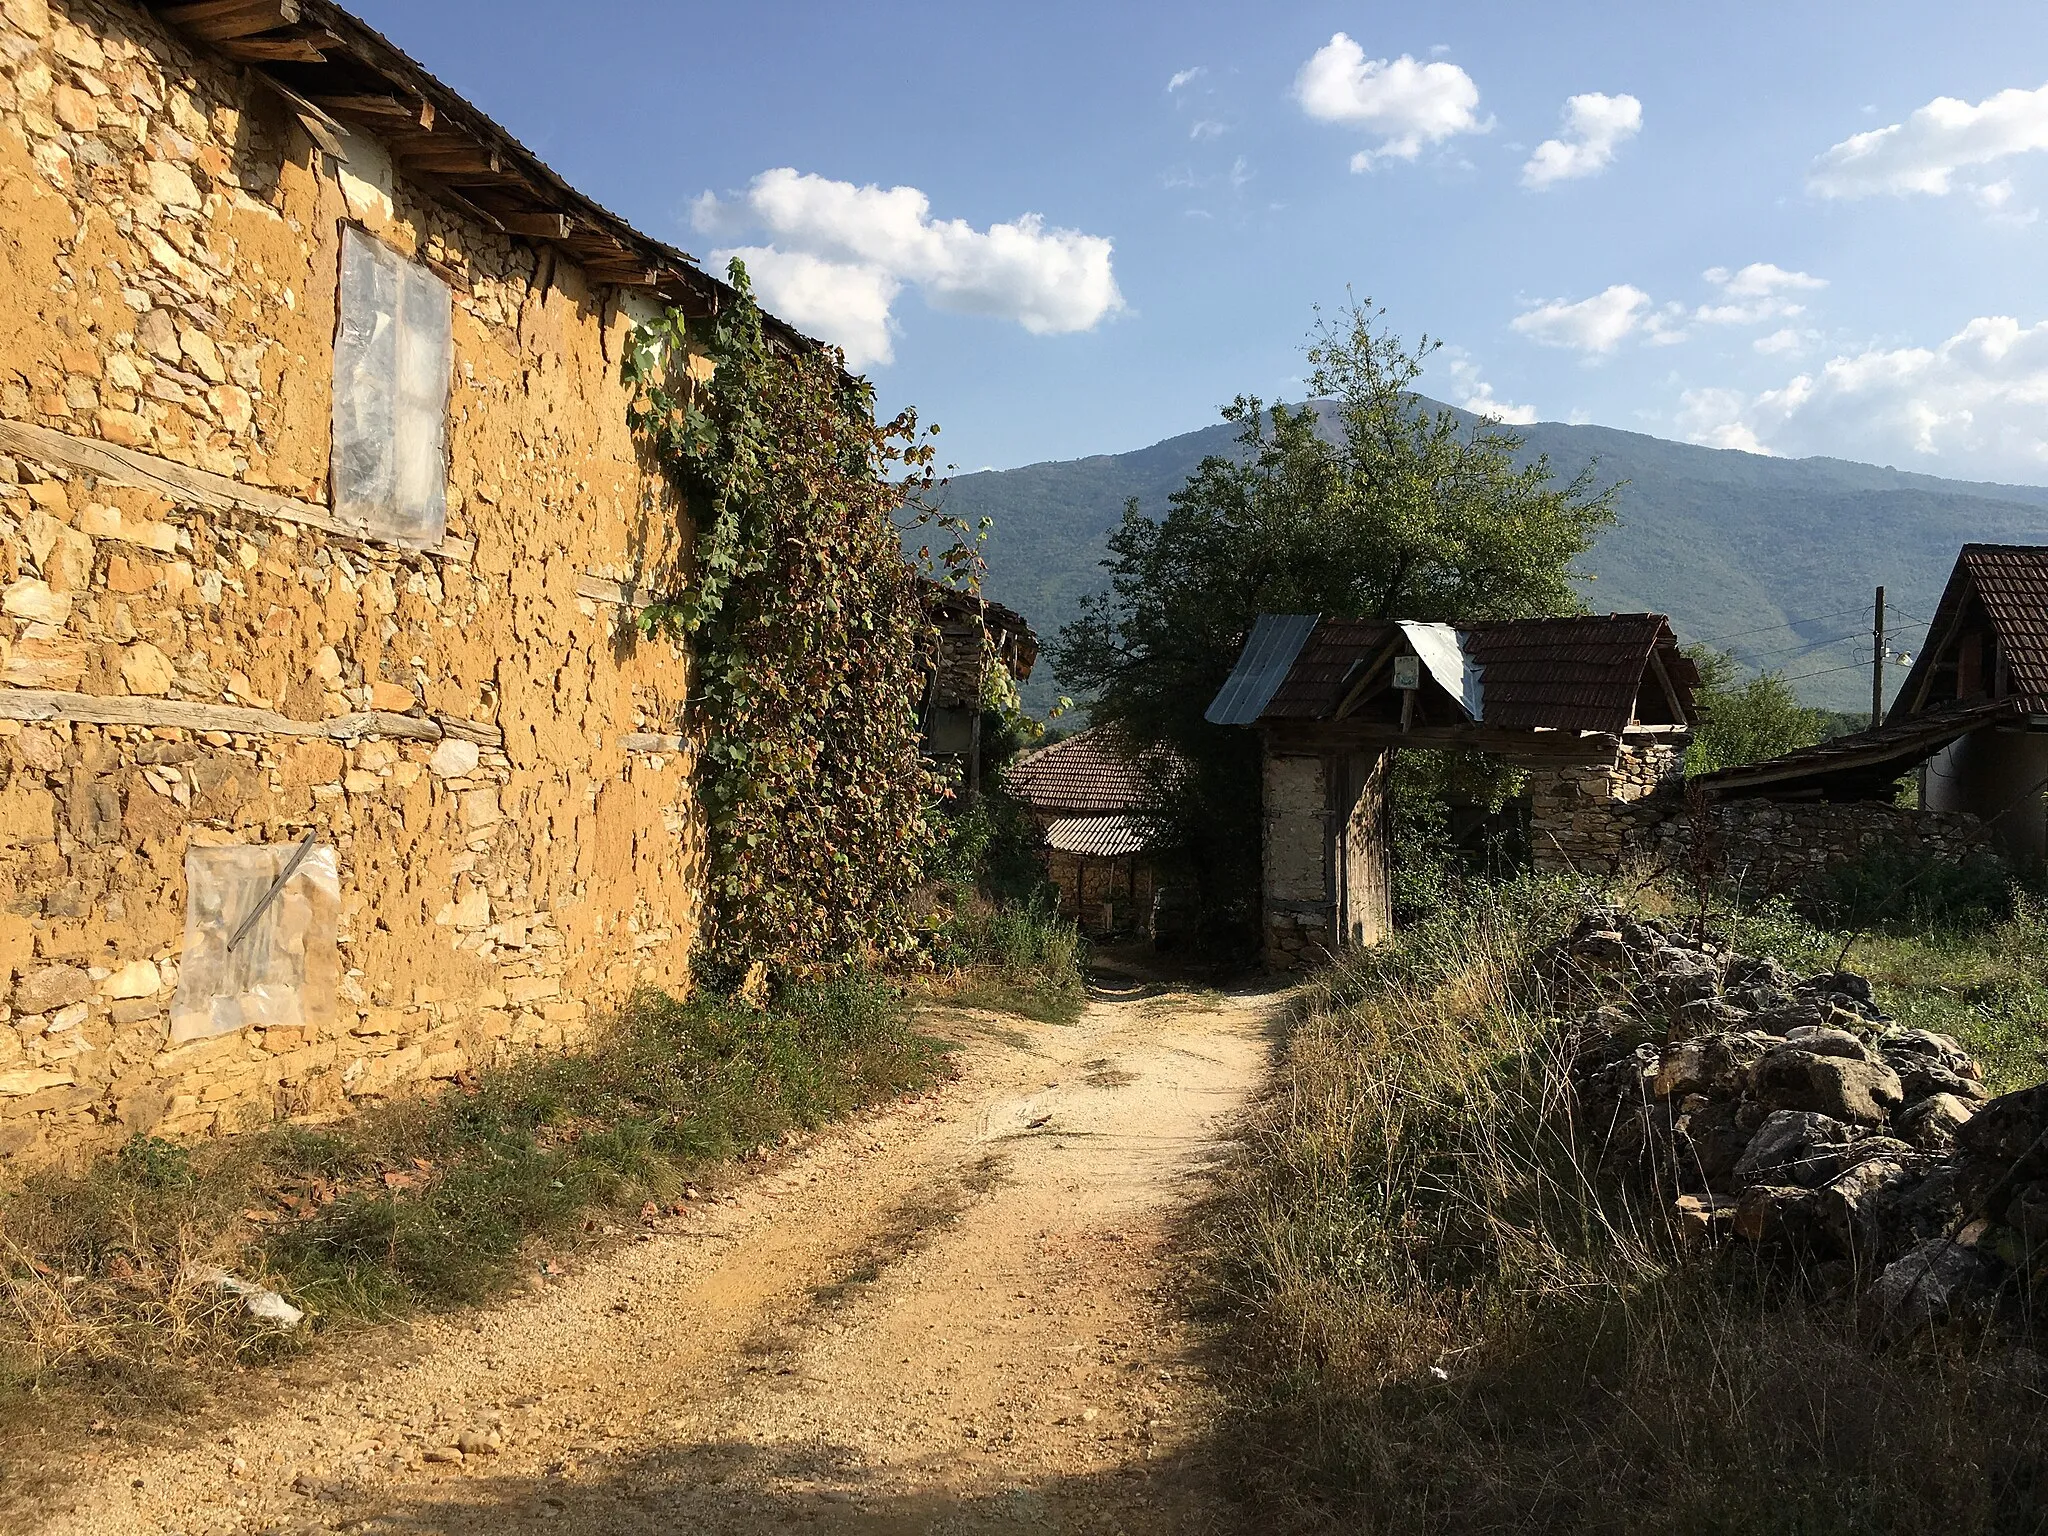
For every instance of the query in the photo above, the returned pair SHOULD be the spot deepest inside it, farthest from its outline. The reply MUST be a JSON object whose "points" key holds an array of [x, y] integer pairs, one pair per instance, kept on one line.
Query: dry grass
{"points": [[424, 1204], [1444, 1320]]}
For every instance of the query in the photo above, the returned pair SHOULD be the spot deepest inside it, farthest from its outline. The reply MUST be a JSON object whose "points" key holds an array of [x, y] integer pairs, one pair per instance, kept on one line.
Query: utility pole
{"points": [[1877, 664]]}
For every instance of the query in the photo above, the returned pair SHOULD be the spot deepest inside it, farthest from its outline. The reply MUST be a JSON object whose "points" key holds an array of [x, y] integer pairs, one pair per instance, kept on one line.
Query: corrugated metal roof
{"points": [[1442, 649], [1580, 673], [1861, 765], [1261, 667], [1102, 837], [1088, 774]]}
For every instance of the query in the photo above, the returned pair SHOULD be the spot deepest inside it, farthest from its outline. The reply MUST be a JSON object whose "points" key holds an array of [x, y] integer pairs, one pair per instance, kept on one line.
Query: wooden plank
{"points": [[651, 741], [272, 50], [383, 109], [1525, 746], [325, 130], [39, 704], [219, 20], [537, 226], [602, 589], [181, 482], [451, 159]]}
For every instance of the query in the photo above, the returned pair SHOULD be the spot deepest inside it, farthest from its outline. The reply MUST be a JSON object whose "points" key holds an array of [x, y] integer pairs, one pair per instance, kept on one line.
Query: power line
{"points": [[1813, 618]]}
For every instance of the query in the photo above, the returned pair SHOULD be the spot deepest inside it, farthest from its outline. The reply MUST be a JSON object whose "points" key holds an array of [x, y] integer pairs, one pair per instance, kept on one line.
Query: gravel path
{"points": [[962, 1313]]}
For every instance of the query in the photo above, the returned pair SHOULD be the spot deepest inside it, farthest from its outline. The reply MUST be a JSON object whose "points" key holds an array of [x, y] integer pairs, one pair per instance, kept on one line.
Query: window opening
{"points": [[286, 969], [393, 353]]}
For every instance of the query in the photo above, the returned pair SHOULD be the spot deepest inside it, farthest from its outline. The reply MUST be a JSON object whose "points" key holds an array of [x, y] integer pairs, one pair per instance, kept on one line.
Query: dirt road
{"points": [[961, 1313]]}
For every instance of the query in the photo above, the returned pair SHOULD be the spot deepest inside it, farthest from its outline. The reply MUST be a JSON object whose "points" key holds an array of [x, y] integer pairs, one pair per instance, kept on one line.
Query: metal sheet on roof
{"points": [[1261, 668], [1442, 650], [1102, 837]]}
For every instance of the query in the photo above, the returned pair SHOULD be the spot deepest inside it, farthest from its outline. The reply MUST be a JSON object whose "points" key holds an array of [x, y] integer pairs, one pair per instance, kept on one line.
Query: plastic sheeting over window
{"points": [[286, 972], [392, 357]]}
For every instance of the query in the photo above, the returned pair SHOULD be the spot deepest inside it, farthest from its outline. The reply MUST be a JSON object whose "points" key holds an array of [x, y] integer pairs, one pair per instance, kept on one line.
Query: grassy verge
{"points": [[1442, 1320], [424, 1204], [1011, 958]]}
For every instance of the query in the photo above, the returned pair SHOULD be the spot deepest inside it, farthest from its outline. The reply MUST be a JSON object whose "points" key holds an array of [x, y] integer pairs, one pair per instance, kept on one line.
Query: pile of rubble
{"points": [[1792, 1113]]}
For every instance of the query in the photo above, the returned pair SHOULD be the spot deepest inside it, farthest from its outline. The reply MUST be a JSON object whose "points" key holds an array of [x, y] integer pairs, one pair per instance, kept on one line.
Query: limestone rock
{"points": [[1932, 1123], [1716, 1064], [1825, 1040], [51, 987], [138, 978], [454, 758], [1860, 1091], [1793, 1147], [146, 670], [33, 601], [1924, 1286]]}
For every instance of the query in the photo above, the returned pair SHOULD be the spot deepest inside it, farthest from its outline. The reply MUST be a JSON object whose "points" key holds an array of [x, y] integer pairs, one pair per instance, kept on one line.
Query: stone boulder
{"points": [[1863, 1092], [1931, 1124]]}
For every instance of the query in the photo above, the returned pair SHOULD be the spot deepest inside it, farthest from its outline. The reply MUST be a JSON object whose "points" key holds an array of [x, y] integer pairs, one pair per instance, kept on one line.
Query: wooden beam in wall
{"points": [[279, 50], [538, 226], [183, 483], [39, 704]]}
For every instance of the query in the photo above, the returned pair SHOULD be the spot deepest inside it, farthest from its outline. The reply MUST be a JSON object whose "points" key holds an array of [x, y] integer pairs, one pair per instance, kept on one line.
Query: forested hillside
{"points": [[1772, 558]]}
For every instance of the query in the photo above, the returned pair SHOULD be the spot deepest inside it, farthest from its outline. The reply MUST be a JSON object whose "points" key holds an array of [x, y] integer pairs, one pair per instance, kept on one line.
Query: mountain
{"points": [[1772, 559]]}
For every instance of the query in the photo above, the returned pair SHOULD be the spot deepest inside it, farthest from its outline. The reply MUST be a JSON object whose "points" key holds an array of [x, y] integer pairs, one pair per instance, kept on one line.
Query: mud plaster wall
{"points": [[169, 263]]}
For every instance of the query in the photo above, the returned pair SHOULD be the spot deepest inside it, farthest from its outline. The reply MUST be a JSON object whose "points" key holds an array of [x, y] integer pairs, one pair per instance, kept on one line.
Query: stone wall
{"points": [[190, 656], [1584, 816], [1778, 848]]}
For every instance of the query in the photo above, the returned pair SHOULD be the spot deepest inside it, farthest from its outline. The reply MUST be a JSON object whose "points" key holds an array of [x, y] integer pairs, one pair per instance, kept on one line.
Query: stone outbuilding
{"points": [[1971, 717], [329, 764], [1597, 708], [1091, 797]]}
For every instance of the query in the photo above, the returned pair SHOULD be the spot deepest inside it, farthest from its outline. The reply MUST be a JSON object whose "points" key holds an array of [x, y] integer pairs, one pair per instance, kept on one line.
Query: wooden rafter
{"points": [[223, 20]]}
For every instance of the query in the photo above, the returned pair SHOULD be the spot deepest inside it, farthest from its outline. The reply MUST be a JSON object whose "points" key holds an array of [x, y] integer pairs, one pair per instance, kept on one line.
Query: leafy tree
{"points": [[1746, 721], [1368, 503]]}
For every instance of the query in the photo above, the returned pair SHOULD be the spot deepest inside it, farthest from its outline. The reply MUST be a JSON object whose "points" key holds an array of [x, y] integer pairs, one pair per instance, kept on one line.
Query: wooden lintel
{"points": [[448, 157], [34, 704], [183, 483], [622, 276], [221, 20], [603, 589], [651, 741], [1311, 737]]}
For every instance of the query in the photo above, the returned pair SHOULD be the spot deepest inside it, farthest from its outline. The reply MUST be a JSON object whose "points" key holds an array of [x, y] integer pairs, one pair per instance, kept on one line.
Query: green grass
{"points": [[423, 1204], [1009, 958], [1440, 1318]]}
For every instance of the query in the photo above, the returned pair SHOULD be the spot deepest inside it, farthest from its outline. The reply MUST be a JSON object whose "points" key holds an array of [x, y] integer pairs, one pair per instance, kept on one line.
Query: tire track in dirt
{"points": [[960, 1313]]}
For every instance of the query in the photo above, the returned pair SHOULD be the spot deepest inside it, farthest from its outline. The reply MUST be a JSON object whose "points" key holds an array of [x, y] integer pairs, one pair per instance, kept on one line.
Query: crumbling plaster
{"points": [[169, 261]]}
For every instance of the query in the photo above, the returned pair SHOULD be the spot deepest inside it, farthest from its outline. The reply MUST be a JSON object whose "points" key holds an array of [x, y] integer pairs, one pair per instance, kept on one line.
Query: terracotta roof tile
{"points": [[1581, 673], [1085, 775]]}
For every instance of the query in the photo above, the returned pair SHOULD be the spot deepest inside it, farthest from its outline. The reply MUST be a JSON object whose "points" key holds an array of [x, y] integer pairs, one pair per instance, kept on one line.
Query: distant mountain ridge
{"points": [[1773, 559]]}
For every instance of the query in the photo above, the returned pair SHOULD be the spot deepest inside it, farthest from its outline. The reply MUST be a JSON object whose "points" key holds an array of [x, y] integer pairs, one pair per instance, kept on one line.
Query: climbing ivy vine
{"points": [[810, 633]]}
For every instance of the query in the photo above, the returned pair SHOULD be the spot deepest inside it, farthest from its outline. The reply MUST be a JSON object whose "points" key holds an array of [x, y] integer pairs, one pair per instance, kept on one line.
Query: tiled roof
{"points": [[1581, 673], [1862, 765], [1102, 837], [1085, 775], [2012, 584]]}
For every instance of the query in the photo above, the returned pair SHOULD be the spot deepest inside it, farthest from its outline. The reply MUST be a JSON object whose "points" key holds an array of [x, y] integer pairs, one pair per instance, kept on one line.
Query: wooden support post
{"points": [[1877, 664]]}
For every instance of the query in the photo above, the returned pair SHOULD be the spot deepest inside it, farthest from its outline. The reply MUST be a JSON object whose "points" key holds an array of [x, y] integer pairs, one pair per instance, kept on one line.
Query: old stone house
{"points": [[1090, 797], [972, 636], [1971, 718], [1598, 709], [328, 768]]}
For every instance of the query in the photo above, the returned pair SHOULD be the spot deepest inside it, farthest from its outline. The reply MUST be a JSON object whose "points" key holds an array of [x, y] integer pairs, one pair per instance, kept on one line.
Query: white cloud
{"points": [[1756, 293], [847, 303], [844, 252], [1595, 126], [1598, 324], [1977, 404], [1476, 395], [1408, 103], [1183, 77], [1208, 128], [1784, 342], [1923, 153]]}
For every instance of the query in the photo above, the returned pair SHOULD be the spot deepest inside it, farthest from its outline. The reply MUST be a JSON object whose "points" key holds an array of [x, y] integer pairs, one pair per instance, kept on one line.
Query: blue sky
{"points": [[1017, 221]]}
